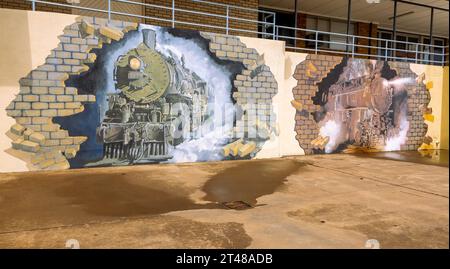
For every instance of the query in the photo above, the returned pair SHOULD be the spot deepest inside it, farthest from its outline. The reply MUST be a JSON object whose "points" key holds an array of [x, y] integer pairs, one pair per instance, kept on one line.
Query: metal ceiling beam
{"points": [[420, 5], [349, 15], [431, 25], [296, 22], [394, 21]]}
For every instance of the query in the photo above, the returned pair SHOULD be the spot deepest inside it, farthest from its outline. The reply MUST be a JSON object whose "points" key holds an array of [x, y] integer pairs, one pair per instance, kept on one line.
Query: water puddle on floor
{"points": [[248, 180], [51, 198]]}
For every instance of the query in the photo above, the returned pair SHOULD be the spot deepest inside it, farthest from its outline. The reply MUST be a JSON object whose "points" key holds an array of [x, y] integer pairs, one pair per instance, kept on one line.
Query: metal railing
{"points": [[297, 39], [352, 45]]}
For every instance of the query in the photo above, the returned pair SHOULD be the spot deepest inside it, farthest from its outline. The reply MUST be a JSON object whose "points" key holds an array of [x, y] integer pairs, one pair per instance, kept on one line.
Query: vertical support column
{"points": [[109, 10], [431, 50], [275, 31], [394, 28], [417, 51], [386, 47], [173, 13], [349, 14], [353, 46], [317, 40], [228, 19], [33, 5], [296, 23]]}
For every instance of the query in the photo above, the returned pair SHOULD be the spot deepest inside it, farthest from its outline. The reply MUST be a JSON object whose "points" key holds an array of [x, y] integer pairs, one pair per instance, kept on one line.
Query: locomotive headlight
{"points": [[135, 64]]}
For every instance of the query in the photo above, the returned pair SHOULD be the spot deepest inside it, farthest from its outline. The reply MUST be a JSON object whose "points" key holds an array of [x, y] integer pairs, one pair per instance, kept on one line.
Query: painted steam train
{"points": [[155, 93], [363, 105]]}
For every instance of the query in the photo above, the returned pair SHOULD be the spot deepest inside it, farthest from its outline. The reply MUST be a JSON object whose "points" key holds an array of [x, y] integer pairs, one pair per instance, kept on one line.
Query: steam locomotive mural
{"points": [[363, 108], [137, 126]]}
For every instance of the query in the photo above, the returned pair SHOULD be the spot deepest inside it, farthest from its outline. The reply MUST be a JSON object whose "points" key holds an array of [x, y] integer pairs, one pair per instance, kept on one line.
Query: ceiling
{"points": [[417, 19]]}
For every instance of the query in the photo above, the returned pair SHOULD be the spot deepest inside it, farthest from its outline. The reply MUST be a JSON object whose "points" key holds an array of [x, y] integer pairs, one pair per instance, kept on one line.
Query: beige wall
{"points": [[31, 37], [434, 74], [444, 122]]}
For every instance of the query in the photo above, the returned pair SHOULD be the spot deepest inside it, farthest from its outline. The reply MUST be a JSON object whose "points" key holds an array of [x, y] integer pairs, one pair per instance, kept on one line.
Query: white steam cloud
{"points": [[332, 129], [394, 143]]}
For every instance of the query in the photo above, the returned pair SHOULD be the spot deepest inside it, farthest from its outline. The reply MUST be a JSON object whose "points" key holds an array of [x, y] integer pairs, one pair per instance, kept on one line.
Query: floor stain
{"points": [[115, 196], [54, 199], [159, 231], [430, 157], [247, 180], [390, 231]]}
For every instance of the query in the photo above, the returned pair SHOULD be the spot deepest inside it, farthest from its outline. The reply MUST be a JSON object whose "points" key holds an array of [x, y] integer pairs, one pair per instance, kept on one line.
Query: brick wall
{"points": [[161, 13], [26, 5], [204, 19], [365, 29], [306, 127]]}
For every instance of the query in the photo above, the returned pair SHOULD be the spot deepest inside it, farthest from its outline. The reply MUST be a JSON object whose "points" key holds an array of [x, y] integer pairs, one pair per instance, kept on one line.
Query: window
{"points": [[401, 45], [412, 42], [330, 26], [384, 43], [433, 53]]}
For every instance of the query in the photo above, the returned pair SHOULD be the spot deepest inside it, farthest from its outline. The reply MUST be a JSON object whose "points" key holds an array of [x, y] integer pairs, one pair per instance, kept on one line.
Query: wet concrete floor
{"points": [[320, 201]]}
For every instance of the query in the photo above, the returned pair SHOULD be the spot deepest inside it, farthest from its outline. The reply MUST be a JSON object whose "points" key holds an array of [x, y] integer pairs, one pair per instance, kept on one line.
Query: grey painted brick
{"points": [[54, 61], [57, 75], [64, 68], [221, 40], [71, 47], [63, 54], [46, 67], [39, 90], [39, 74], [227, 48]]}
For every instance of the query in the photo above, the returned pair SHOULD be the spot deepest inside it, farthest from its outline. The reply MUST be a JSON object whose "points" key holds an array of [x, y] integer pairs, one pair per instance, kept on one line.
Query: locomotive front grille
{"points": [[148, 150]]}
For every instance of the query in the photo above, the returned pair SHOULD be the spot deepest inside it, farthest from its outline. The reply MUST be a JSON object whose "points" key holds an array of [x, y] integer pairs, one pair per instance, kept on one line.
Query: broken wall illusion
{"points": [[348, 105], [121, 93]]}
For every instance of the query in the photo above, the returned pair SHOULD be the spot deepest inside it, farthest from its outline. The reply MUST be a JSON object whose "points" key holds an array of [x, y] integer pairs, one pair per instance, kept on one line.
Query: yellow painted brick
{"points": [[56, 105], [70, 153], [429, 117], [46, 163], [67, 141], [17, 129], [65, 112], [37, 138], [40, 120], [16, 143], [79, 139], [49, 113], [111, 33], [31, 98], [39, 105], [51, 142], [87, 28], [29, 146], [73, 105], [59, 134], [27, 133], [50, 127]]}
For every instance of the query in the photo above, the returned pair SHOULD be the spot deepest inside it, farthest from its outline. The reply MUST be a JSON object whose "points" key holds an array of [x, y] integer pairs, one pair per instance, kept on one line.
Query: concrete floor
{"points": [[320, 201]]}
